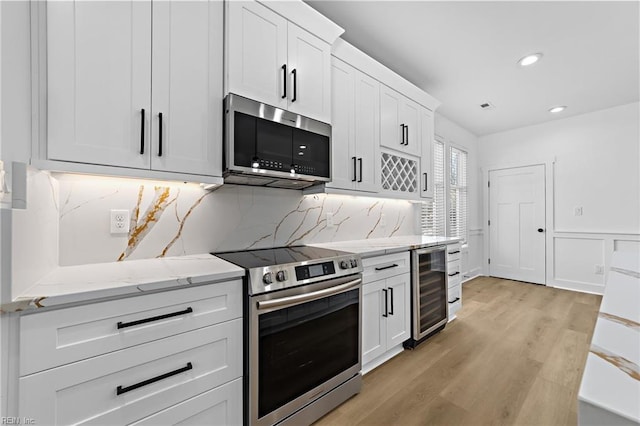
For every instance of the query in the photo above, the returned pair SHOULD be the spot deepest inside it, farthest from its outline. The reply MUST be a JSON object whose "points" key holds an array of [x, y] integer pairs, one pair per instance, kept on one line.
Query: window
{"points": [[457, 193], [432, 212]]}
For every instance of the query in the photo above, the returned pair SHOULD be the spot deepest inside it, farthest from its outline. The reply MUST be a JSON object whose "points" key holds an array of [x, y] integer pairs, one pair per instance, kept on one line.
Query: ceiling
{"points": [[466, 53]]}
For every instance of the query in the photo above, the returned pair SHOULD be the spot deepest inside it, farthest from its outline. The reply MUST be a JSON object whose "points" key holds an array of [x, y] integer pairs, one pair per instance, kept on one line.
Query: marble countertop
{"points": [[379, 246], [72, 284], [611, 380]]}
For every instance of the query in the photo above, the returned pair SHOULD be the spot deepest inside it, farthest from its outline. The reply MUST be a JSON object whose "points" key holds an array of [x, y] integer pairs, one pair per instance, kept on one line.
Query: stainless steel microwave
{"points": [[268, 146]]}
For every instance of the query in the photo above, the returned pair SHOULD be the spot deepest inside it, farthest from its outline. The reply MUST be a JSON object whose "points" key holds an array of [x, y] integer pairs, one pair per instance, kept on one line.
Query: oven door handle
{"points": [[301, 298]]}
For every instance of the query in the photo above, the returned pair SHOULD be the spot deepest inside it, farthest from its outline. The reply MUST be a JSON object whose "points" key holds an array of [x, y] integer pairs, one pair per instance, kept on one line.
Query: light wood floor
{"points": [[515, 355]]}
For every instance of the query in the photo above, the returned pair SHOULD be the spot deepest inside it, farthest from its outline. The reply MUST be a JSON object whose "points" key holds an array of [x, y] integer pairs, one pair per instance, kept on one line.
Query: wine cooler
{"points": [[429, 293]]}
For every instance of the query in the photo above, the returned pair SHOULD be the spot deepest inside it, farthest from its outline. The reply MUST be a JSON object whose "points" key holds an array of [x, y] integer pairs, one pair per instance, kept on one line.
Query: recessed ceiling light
{"points": [[557, 109], [529, 59]]}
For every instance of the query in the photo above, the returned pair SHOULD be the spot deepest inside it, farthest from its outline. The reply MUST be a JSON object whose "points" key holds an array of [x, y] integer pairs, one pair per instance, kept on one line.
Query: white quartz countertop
{"points": [[611, 380], [379, 246], [72, 284]]}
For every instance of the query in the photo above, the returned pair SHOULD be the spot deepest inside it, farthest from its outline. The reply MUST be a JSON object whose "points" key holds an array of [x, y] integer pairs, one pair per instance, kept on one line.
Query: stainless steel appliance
{"points": [[429, 293], [269, 146], [303, 332]]}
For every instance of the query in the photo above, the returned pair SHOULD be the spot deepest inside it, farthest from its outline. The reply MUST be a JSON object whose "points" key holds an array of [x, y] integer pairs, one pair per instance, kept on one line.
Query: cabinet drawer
{"points": [[149, 377], [453, 294], [219, 406], [453, 307], [388, 265], [51, 339], [454, 275], [453, 252]]}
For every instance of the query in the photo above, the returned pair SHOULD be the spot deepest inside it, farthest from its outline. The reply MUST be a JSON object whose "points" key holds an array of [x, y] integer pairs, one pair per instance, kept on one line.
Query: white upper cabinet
{"points": [[310, 74], [187, 87], [100, 60], [276, 61], [399, 122], [257, 53], [426, 159], [355, 129], [99, 82]]}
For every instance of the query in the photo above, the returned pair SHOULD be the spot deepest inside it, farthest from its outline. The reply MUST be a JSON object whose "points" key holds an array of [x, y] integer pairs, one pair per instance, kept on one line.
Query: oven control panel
{"points": [[279, 277]]}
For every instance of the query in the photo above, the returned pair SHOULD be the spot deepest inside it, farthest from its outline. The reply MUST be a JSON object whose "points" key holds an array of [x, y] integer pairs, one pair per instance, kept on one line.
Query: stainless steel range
{"points": [[303, 332]]}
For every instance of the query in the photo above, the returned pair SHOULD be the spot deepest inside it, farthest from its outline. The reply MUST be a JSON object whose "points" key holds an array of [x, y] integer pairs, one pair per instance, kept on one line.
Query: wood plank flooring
{"points": [[514, 356]]}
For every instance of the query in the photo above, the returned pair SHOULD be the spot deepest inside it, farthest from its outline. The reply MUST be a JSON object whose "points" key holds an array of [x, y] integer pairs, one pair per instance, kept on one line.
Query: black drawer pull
{"points": [[284, 81], [354, 170], [158, 318], [454, 252], [120, 390], [159, 134], [454, 274], [391, 294], [387, 267], [454, 301]]}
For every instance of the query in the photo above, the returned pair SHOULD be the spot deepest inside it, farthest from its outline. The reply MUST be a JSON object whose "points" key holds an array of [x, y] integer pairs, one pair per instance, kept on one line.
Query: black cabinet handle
{"points": [[120, 390], [454, 274], [156, 318], [391, 294], [354, 169], [402, 128], [142, 132], [406, 129], [360, 162], [386, 305], [284, 81], [160, 134], [295, 85], [454, 301], [425, 182], [540, 230], [387, 267], [454, 252]]}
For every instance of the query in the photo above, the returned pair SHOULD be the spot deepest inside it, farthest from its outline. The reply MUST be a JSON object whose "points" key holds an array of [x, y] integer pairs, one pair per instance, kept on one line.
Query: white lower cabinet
{"points": [[454, 281], [192, 376], [386, 311]]}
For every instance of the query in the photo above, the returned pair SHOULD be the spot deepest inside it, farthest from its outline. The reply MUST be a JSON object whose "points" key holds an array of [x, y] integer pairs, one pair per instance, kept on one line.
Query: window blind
{"points": [[457, 193], [432, 212]]}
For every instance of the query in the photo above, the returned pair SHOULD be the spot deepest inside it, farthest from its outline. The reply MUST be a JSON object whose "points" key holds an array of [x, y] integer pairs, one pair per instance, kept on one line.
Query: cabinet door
{"points": [[187, 87], [309, 60], [410, 114], [367, 132], [426, 159], [391, 132], [374, 332], [99, 82], [398, 320], [256, 53], [343, 160]]}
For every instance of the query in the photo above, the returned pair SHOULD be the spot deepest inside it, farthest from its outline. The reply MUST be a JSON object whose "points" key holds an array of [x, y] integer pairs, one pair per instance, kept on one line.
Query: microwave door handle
{"points": [[301, 298]]}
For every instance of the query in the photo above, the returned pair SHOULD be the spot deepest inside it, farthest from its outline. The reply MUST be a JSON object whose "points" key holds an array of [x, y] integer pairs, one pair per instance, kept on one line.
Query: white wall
{"points": [[596, 166], [453, 134]]}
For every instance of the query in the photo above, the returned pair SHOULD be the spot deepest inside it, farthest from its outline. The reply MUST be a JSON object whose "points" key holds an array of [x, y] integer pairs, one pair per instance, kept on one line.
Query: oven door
{"points": [[303, 342]]}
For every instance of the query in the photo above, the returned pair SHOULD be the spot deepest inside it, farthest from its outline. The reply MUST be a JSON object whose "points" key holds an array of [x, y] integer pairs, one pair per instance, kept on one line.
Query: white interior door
{"points": [[517, 223]]}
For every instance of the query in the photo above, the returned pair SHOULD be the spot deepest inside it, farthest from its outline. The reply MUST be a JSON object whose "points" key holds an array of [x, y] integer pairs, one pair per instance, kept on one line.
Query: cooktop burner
{"points": [[283, 267]]}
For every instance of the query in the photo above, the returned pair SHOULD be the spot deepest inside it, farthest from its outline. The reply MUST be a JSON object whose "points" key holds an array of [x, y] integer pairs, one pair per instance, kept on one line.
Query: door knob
{"points": [[540, 230]]}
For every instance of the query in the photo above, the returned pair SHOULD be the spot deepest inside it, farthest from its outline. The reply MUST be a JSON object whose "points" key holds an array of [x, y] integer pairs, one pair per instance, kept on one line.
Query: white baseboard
{"points": [[577, 286]]}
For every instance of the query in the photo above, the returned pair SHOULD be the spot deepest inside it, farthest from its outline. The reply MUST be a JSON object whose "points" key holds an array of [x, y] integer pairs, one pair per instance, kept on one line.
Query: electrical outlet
{"points": [[599, 269], [330, 223], [119, 221], [577, 211]]}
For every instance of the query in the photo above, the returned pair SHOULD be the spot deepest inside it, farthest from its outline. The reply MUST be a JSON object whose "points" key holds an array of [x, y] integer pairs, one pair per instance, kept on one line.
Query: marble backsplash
{"points": [[170, 219]]}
